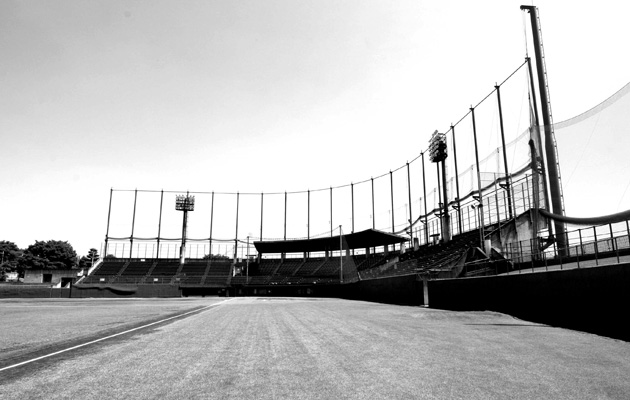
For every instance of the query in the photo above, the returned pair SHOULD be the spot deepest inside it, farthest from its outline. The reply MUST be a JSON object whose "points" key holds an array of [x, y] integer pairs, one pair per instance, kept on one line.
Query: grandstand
{"points": [[295, 268]]}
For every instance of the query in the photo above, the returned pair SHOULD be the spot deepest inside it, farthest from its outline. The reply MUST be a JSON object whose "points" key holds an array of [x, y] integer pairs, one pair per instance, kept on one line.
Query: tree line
{"points": [[50, 254]]}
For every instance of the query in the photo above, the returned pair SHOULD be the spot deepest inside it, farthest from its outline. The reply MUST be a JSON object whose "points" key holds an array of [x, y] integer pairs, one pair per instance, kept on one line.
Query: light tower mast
{"points": [[438, 153], [184, 203]]}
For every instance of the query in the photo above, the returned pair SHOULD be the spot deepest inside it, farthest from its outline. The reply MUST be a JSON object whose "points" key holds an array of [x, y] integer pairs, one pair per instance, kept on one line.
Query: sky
{"points": [[265, 96]]}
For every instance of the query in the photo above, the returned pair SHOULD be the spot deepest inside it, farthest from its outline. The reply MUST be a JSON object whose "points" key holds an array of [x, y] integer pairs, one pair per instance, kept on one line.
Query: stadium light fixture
{"points": [[437, 147], [185, 203]]}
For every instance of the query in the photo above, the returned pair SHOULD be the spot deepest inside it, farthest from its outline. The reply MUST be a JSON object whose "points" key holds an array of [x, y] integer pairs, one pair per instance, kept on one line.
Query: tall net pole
{"points": [[340, 255], [553, 172]]}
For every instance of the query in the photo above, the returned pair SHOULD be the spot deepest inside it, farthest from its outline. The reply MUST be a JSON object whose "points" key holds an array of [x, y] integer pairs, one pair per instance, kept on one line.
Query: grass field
{"points": [[277, 348]]}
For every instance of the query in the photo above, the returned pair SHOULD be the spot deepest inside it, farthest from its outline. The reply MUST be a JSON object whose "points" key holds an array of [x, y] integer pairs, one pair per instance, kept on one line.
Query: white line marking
{"points": [[111, 336]]}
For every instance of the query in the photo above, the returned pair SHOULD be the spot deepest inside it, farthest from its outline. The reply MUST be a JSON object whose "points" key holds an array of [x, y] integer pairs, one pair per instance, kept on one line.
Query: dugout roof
{"points": [[358, 240]]}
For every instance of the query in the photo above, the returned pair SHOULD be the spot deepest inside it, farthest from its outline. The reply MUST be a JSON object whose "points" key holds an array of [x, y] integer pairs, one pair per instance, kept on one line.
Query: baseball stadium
{"points": [[458, 274]]}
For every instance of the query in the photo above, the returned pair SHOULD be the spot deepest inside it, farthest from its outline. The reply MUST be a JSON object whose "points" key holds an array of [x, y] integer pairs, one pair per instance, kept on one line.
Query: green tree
{"points": [[52, 254], [8, 251], [90, 259], [9, 255]]}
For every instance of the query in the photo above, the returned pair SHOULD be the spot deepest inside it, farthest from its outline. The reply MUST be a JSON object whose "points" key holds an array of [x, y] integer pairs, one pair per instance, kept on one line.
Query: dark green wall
{"points": [[595, 300]]}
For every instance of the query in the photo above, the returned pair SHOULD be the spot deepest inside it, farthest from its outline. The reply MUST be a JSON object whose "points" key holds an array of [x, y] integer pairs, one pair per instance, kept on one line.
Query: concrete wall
{"points": [[594, 300]]}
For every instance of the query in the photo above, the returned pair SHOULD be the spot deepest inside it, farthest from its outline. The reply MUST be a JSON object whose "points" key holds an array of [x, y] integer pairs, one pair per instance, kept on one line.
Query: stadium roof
{"points": [[359, 240]]}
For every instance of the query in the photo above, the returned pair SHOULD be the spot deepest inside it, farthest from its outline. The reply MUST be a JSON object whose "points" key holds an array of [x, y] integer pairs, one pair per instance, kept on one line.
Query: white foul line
{"points": [[111, 336]]}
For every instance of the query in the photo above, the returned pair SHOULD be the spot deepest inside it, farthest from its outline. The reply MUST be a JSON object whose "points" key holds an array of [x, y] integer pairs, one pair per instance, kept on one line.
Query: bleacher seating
{"points": [[165, 268], [194, 268], [426, 258], [218, 273], [110, 267], [268, 266], [371, 261], [329, 267], [137, 268], [309, 266], [289, 266]]}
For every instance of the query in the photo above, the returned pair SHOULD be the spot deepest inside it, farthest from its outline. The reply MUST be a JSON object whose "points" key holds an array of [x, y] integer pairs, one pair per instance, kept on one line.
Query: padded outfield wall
{"points": [[594, 300], [108, 291], [83, 291], [402, 290], [18, 290]]}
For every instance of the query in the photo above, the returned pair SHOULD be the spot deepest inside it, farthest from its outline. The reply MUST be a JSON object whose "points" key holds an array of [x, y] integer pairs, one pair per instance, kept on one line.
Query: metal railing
{"points": [[592, 246]]}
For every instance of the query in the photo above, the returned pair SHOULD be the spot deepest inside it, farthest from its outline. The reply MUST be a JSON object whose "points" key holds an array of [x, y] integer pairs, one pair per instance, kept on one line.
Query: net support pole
{"points": [[446, 225], [508, 183], [352, 204], [285, 215], [391, 186], [536, 130], [410, 215], [262, 199], [496, 200], [109, 214], [236, 234], [340, 255], [534, 167], [157, 253], [133, 222], [331, 213], [426, 212], [459, 212], [479, 194], [308, 214], [211, 221], [550, 150], [373, 215]]}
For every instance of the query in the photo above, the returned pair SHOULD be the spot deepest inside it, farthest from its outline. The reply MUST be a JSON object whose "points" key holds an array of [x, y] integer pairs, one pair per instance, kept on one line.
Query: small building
{"points": [[55, 277]]}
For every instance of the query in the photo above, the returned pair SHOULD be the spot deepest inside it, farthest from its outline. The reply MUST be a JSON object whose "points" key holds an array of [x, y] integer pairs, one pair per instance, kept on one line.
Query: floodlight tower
{"points": [[438, 153], [184, 203]]}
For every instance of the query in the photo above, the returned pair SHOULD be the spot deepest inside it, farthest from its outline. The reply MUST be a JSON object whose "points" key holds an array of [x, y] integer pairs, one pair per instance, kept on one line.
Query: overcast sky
{"points": [[257, 95]]}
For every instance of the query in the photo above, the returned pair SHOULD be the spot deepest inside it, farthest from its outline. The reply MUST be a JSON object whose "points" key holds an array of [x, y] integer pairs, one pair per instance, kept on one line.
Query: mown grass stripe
{"points": [[111, 336]]}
